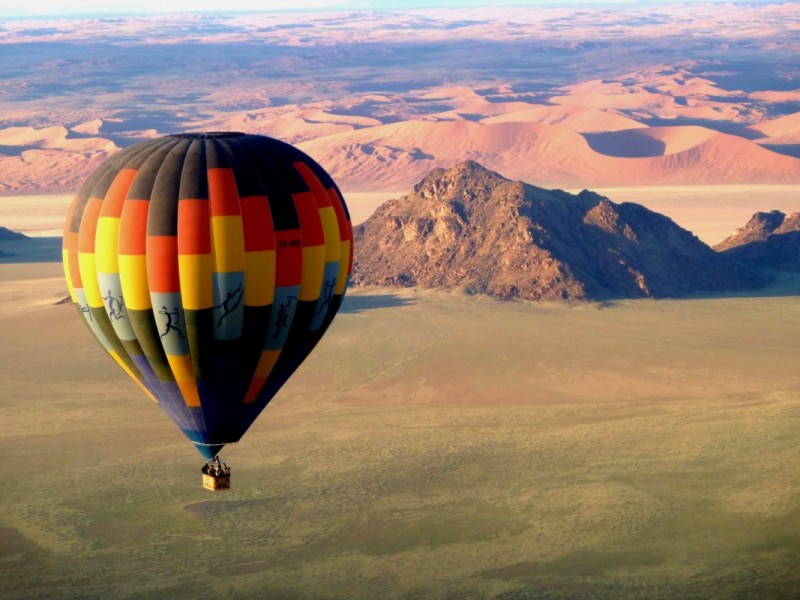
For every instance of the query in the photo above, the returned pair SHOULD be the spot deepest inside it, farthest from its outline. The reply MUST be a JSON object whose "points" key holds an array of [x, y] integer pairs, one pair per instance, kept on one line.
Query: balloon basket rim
{"points": [[216, 482]]}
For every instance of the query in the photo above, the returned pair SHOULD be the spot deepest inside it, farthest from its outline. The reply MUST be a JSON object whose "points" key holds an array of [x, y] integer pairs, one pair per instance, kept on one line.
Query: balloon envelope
{"points": [[208, 266]]}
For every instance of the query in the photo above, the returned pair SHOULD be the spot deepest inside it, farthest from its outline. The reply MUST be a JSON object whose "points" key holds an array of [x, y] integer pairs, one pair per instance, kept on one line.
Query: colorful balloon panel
{"points": [[209, 266]]}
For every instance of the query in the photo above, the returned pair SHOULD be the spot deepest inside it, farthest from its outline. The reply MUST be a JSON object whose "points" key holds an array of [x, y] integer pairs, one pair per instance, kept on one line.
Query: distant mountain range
{"points": [[469, 227]]}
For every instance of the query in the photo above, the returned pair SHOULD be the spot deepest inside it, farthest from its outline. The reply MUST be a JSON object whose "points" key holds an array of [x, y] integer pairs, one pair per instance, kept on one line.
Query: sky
{"points": [[21, 8]]}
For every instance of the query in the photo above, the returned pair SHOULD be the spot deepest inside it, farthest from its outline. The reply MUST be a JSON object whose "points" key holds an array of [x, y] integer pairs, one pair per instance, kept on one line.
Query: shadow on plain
{"points": [[355, 304], [30, 250]]}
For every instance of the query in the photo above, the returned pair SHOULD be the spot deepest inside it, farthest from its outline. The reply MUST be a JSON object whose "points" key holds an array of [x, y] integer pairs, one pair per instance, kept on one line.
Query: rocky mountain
{"points": [[761, 226], [769, 240], [470, 227]]}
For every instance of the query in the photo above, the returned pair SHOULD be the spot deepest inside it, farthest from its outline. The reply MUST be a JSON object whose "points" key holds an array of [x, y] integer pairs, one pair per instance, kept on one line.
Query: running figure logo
{"points": [[171, 325], [227, 306], [327, 296], [115, 306], [283, 316]]}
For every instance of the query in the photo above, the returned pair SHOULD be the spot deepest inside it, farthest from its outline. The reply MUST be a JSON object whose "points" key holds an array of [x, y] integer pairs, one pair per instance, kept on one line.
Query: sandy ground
{"points": [[710, 212], [35, 215], [362, 204], [433, 446]]}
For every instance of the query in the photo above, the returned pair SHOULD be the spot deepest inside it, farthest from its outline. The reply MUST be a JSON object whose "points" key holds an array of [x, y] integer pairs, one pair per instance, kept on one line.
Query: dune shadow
{"points": [[625, 144], [731, 128], [12, 150], [356, 304], [792, 150]]}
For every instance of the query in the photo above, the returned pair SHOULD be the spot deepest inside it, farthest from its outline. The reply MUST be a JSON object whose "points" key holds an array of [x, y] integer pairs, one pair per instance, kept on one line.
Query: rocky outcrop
{"points": [[769, 240], [470, 227]]}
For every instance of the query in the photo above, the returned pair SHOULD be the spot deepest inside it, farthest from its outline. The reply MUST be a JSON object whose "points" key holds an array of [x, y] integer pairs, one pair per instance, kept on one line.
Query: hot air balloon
{"points": [[208, 265]]}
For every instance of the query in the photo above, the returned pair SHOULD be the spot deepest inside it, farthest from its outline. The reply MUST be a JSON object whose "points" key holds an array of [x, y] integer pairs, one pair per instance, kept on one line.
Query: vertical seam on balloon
{"points": [[193, 415]]}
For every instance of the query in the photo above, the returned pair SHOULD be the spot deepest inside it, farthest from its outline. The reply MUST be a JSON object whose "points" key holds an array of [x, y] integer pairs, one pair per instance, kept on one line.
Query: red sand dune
{"points": [[14, 139], [663, 92], [771, 96], [578, 118], [63, 171], [464, 100], [89, 128], [290, 123], [33, 159], [594, 133], [783, 130], [396, 156]]}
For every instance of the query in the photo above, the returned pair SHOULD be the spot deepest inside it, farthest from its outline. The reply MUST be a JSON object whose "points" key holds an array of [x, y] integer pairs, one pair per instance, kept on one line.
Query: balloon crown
{"points": [[206, 134]]}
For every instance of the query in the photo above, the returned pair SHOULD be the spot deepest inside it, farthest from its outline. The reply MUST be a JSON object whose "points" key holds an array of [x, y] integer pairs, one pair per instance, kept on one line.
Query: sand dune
{"points": [[415, 147], [465, 101], [550, 145], [89, 127], [783, 130], [600, 132], [47, 137], [290, 123], [734, 159], [684, 84], [668, 80], [14, 140], [36, 170], [578, 118], [568, 111], [664, 92], [396, 156], [647, 104], [33, 159], [775, 96], [627, 100], [680, 138]]}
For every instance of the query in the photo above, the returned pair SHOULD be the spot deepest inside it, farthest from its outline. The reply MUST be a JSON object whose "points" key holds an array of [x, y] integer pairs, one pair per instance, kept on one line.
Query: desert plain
{"points": [[435, 444]]}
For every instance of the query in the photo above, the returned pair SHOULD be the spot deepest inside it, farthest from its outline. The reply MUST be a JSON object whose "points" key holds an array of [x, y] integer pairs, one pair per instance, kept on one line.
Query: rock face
{"points": [[769, 240], [470, 227]]}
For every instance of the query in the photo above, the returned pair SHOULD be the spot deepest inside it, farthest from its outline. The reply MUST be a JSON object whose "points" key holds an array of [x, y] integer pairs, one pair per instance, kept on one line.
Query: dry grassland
{"points": [[434, 445]]}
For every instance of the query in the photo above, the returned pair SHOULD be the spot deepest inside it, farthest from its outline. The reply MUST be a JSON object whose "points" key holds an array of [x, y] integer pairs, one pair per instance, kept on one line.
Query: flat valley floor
{"points": [[434, 445], [711, 212]]}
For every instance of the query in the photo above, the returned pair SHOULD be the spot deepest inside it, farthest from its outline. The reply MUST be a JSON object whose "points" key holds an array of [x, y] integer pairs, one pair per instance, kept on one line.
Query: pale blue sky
{"points": [[77, 7]]}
